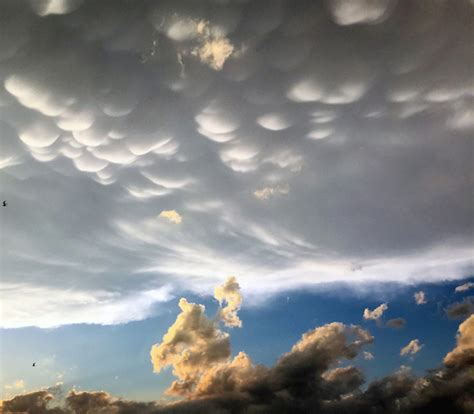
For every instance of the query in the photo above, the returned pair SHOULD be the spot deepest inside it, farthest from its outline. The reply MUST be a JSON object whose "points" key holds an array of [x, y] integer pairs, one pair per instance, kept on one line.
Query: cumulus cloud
{"points": [[376, 313], [396, 323], [109, 117], [229, 292], [463, 353], [464, 287], [420, 297], [412, 348], [461, 310], [305, 379]]}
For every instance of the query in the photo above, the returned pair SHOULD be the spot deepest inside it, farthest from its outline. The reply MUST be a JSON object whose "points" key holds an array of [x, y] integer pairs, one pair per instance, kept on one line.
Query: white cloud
{"points": [[420, 297], [464, 287], [412, 348], [376, 313]]}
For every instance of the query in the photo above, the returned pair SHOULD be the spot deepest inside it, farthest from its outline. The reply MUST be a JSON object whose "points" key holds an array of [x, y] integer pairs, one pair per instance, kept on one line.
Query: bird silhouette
{"points": [[34, 364], [4, 203]]}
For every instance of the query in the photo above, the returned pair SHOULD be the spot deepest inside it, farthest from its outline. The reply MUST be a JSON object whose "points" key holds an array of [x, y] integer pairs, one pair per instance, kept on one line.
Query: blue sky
{"points": [[116, 358]]}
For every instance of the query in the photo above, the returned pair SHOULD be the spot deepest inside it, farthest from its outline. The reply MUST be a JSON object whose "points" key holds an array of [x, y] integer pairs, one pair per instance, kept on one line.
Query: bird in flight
{"points": [[34, 364], [4, 203]]}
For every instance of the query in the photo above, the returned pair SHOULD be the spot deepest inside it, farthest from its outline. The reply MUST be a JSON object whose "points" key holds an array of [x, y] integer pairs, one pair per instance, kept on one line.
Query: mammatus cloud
{"points": [[171, 215], [376, 313], [412, 348], [112, 113], [461, 310], [303, 380], [464, 287], [420, 297], [396, 323]]}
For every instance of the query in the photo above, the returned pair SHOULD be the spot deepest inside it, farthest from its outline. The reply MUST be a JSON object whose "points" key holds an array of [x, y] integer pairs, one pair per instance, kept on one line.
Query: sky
{"points": [[319, 152]]}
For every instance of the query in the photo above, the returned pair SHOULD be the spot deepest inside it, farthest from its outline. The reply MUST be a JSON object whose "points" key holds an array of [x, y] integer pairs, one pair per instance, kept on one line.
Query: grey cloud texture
{"points": [[461, 310], [396, 323], [294, 139]]}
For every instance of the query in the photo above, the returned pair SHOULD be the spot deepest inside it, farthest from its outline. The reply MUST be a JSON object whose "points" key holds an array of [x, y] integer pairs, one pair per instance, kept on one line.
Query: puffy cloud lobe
{"points": [[412, 348], [461, 310], [348, 12], [376, 313], [420, 297]]}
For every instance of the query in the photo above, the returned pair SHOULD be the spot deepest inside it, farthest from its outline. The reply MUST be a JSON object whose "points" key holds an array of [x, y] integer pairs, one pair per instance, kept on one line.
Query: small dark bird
{"points": [[34, 364], [4, 204]]}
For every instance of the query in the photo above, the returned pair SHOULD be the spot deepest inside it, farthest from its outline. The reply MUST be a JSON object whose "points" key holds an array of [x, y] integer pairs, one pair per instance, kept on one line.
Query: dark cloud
{"points": [[396, 323], [461, 310], [293, 139]]}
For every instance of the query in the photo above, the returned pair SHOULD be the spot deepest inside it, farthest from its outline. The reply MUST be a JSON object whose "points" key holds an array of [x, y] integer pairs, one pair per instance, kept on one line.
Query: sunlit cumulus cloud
{"points": [[376, 313], [315, 375], [172, 215], [289, 146], [420, 297], [412, 348]]}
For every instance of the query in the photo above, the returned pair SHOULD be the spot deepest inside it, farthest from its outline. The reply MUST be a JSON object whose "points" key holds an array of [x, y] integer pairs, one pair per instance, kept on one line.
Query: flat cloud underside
{"points": [[301, 381], [300, 143]]}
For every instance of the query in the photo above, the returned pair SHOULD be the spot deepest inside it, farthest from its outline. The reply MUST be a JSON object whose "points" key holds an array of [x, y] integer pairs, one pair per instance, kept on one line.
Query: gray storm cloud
{"points": [[294, 139]]}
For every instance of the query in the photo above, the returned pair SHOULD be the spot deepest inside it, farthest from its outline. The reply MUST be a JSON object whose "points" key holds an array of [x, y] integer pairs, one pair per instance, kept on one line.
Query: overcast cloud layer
{"points": [[154, 146]]}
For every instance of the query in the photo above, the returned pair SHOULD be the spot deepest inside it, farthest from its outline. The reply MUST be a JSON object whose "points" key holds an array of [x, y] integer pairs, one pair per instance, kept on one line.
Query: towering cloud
{"points": [[229, 293]]}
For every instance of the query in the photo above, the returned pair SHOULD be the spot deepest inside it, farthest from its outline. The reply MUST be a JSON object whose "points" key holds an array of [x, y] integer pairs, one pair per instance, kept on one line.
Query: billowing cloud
{"points": [[110, 116], [464, 287], [396, 323], [420, 297], [412, 348], [305, 379], [229, 293], [463, 353], [461, 310], [376, 313]]}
